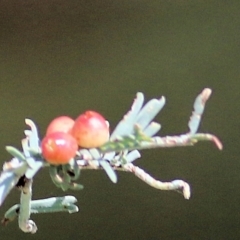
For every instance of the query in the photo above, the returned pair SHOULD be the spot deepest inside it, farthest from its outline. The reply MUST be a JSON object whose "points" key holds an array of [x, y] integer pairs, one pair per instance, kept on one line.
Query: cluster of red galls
{"points": [[64, 136]]}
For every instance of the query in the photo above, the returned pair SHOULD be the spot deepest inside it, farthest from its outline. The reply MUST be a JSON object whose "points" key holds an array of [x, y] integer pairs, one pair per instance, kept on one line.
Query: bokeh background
{"points": [[62, 57]]}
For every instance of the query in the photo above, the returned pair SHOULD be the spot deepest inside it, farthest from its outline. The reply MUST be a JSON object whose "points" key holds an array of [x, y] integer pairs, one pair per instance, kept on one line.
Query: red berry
{"points": [[59, 148], [60, 124], [90, 130]]}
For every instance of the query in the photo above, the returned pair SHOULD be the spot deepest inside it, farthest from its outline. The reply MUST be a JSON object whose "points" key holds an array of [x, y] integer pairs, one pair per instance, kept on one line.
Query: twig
{"points": [[25, 224], [177, 185], [48, 205]]}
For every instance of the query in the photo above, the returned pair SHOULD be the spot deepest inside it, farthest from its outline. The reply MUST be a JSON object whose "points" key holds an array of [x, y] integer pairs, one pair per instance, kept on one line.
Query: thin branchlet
{"points": [[134, 132]]}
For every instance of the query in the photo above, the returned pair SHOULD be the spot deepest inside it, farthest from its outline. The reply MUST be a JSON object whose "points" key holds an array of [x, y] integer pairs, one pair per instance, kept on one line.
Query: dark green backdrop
{"points": [[65, 56]]}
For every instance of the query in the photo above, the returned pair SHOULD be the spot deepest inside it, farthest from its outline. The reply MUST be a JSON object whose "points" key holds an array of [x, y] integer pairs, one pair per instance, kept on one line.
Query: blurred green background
{"points": [[60, 57]]}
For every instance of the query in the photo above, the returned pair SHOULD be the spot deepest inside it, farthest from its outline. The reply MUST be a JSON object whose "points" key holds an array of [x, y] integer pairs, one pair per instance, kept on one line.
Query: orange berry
{"points": [[90, 130], [59, 148], [60, 124]]}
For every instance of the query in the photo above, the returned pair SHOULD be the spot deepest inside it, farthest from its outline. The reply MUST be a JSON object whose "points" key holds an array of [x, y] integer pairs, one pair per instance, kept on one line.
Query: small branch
{"points": [[128, 143], [48, 205], [135, 130], [177, 185], [25, 224], [182, 140]]}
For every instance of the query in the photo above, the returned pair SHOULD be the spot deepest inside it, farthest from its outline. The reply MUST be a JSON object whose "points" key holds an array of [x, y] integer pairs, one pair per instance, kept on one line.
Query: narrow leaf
{"points": [[15, 153], [108, 169]]}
